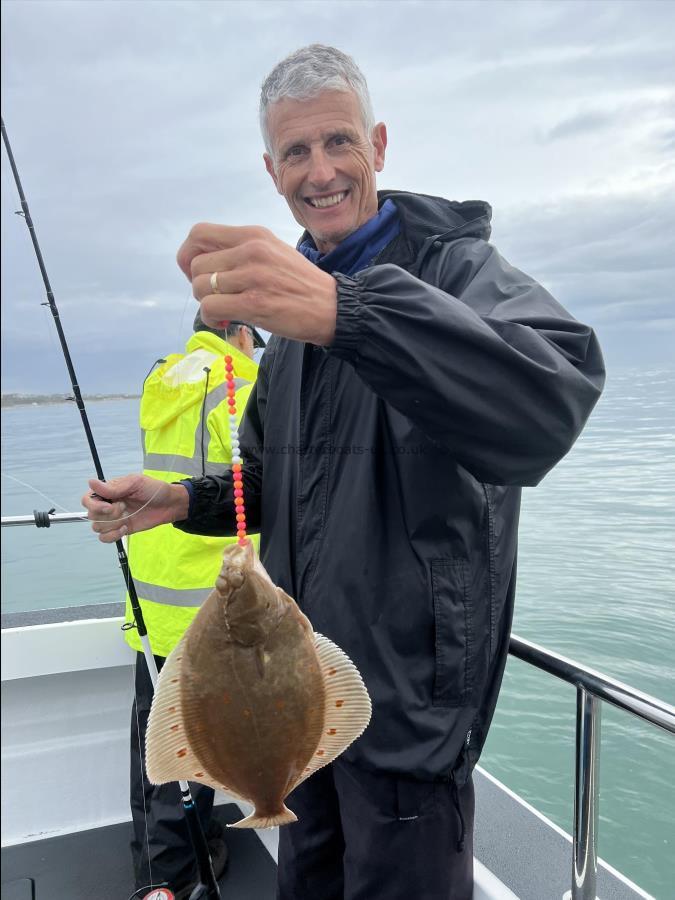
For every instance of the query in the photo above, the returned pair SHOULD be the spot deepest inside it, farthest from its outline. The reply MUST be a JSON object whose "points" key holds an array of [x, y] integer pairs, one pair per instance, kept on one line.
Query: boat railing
{"points": [[43, 519], [592, 689]]}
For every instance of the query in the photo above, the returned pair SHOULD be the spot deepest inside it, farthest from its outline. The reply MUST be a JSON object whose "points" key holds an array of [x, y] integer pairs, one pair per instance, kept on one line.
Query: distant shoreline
{"points": [[47, 399]]}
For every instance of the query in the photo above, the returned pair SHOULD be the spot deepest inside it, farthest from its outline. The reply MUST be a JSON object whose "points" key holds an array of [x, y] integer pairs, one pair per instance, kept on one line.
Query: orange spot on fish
{"points": [[339, 703], [247, 713], [320, 752], [332, 731], [182, 752], [174, 681], [172, 709], [174, 727], [199, 775], [332, 671], [226, 697]]}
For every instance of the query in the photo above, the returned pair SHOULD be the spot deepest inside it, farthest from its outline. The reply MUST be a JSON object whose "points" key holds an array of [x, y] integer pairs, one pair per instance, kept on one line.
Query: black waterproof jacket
{"points": [[384, 473]]}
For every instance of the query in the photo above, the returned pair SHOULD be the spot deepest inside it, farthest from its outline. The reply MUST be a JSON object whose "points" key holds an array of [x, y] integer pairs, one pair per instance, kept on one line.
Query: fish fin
{"points": [[167, 754], [285, 817], [347, 706]]}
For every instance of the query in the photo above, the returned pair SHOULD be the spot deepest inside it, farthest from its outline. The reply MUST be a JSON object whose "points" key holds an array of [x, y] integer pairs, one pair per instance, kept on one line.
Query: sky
{"points": [[130, 122]]}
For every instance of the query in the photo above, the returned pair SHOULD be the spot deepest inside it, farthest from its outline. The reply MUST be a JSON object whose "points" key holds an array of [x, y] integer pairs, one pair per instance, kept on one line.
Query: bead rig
{"points": [[236, 453]]}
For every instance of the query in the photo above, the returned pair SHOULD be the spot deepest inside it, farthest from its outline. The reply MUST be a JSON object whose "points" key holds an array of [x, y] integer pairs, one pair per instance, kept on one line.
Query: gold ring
{"points": [[214, 282]]}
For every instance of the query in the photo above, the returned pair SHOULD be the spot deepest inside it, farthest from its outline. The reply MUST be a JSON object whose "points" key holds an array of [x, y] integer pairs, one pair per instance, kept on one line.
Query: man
{"points": [[185, 430], [414, 383]]}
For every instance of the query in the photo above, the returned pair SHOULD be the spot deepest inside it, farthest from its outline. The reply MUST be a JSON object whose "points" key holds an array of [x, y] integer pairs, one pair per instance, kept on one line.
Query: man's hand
{"points": [[138, 503], [260, 280]]}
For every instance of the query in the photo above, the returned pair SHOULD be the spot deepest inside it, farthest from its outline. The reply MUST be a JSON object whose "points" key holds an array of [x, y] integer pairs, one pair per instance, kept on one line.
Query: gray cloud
{"points": [[609, 260], [648, 116], [579, 124]]}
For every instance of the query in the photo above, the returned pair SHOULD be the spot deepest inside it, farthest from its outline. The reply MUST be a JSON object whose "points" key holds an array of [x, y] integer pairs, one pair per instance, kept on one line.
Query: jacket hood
{"points": [[424, 216], [180, 383]]}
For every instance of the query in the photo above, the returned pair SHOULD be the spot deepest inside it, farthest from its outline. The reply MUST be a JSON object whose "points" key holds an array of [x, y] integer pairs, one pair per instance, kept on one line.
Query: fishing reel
{"points": [[158, 892], [164, 892]]}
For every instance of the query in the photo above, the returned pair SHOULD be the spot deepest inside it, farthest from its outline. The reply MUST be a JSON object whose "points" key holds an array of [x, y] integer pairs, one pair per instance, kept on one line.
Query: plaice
{"points": [[252, 701]]}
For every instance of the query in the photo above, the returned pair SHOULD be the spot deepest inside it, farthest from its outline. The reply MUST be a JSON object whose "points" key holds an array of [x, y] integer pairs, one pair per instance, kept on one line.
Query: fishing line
{"points": [[141, 758], [234, 427], [207, 882], [142, 763], [182, 428], [157, 894], [38, 491], [84, 517], [24, 213]]}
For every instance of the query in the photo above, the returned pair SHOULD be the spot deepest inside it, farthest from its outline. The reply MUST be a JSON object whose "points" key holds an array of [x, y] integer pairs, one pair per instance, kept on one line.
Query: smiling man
{"points": [[415, 382], [323, 161]]}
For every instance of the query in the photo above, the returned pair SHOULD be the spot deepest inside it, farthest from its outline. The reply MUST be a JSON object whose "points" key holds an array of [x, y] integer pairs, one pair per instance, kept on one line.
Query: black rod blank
{"points": [[51, 302], [209, 886]]}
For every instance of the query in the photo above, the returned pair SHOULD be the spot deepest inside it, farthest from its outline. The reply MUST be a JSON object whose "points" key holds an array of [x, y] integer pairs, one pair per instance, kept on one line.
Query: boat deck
{"points": [[519, 856], [75, 866]]}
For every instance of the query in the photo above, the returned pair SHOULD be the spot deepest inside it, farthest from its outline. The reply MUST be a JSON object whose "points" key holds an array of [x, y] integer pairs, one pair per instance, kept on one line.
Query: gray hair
{"points": [[305, 74]]}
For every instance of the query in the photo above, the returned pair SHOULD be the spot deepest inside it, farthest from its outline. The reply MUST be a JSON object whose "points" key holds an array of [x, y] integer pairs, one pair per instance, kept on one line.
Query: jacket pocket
{"points": [[453, 632]]}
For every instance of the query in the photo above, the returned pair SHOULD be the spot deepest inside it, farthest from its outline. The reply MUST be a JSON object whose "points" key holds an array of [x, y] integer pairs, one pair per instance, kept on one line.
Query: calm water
{"points": [[596, 583]]}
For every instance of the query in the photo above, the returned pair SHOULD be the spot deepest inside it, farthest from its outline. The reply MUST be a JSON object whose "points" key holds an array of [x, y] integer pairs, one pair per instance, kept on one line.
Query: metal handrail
{"points": [[646, 707], [592, 689], [43, 519]]}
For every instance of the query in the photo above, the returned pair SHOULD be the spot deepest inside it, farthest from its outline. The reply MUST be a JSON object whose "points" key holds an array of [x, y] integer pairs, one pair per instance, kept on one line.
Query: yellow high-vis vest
{"points": [[185, 429]]}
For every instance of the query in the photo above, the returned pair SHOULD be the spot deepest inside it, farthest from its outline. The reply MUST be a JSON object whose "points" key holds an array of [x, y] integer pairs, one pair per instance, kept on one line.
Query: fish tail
{"points": [[284, 817]]}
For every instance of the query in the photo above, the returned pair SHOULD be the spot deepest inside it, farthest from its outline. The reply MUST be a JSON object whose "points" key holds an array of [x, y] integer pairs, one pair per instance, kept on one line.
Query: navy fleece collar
{"points": [[357, 251]]}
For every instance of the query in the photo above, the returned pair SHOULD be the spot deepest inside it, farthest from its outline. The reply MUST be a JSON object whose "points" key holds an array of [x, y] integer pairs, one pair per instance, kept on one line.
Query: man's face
{"points": [[324, 164]]}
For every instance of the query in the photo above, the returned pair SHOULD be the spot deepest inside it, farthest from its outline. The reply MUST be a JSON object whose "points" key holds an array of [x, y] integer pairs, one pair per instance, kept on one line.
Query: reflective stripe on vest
{"points": [[196, 465], [171, 596]]}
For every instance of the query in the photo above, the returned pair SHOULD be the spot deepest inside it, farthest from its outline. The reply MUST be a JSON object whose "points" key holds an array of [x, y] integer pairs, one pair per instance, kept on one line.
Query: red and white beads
{"points": [[236, 452]]}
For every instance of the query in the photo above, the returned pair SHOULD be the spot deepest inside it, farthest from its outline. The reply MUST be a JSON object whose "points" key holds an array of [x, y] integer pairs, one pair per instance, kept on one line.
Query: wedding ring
{"points": [[214, 282]]}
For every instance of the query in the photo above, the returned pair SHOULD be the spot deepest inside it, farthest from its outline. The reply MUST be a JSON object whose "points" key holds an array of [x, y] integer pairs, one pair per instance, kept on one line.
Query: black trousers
{"points": [[365, 836], [166, 837]]}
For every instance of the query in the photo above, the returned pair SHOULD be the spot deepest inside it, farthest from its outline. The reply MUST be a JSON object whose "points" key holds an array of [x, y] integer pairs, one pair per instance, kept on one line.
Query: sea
{"points": [[596, 583]]}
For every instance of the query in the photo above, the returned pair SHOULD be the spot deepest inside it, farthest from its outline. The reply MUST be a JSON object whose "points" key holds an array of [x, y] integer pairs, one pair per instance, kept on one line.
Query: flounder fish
{"points": [[251, 701]]}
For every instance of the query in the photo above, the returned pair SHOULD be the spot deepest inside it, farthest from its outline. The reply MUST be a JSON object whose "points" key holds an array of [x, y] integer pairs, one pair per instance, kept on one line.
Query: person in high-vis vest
{"points": [[184, 421]]}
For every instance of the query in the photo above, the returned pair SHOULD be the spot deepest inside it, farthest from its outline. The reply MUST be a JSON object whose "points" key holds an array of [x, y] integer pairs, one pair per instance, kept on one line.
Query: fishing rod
{"points": [[207, 888]]}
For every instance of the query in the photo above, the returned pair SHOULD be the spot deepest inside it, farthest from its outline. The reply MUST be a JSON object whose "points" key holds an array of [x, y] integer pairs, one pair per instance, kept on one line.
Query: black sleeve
{"points": [[212, 508], [489, 366]]}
